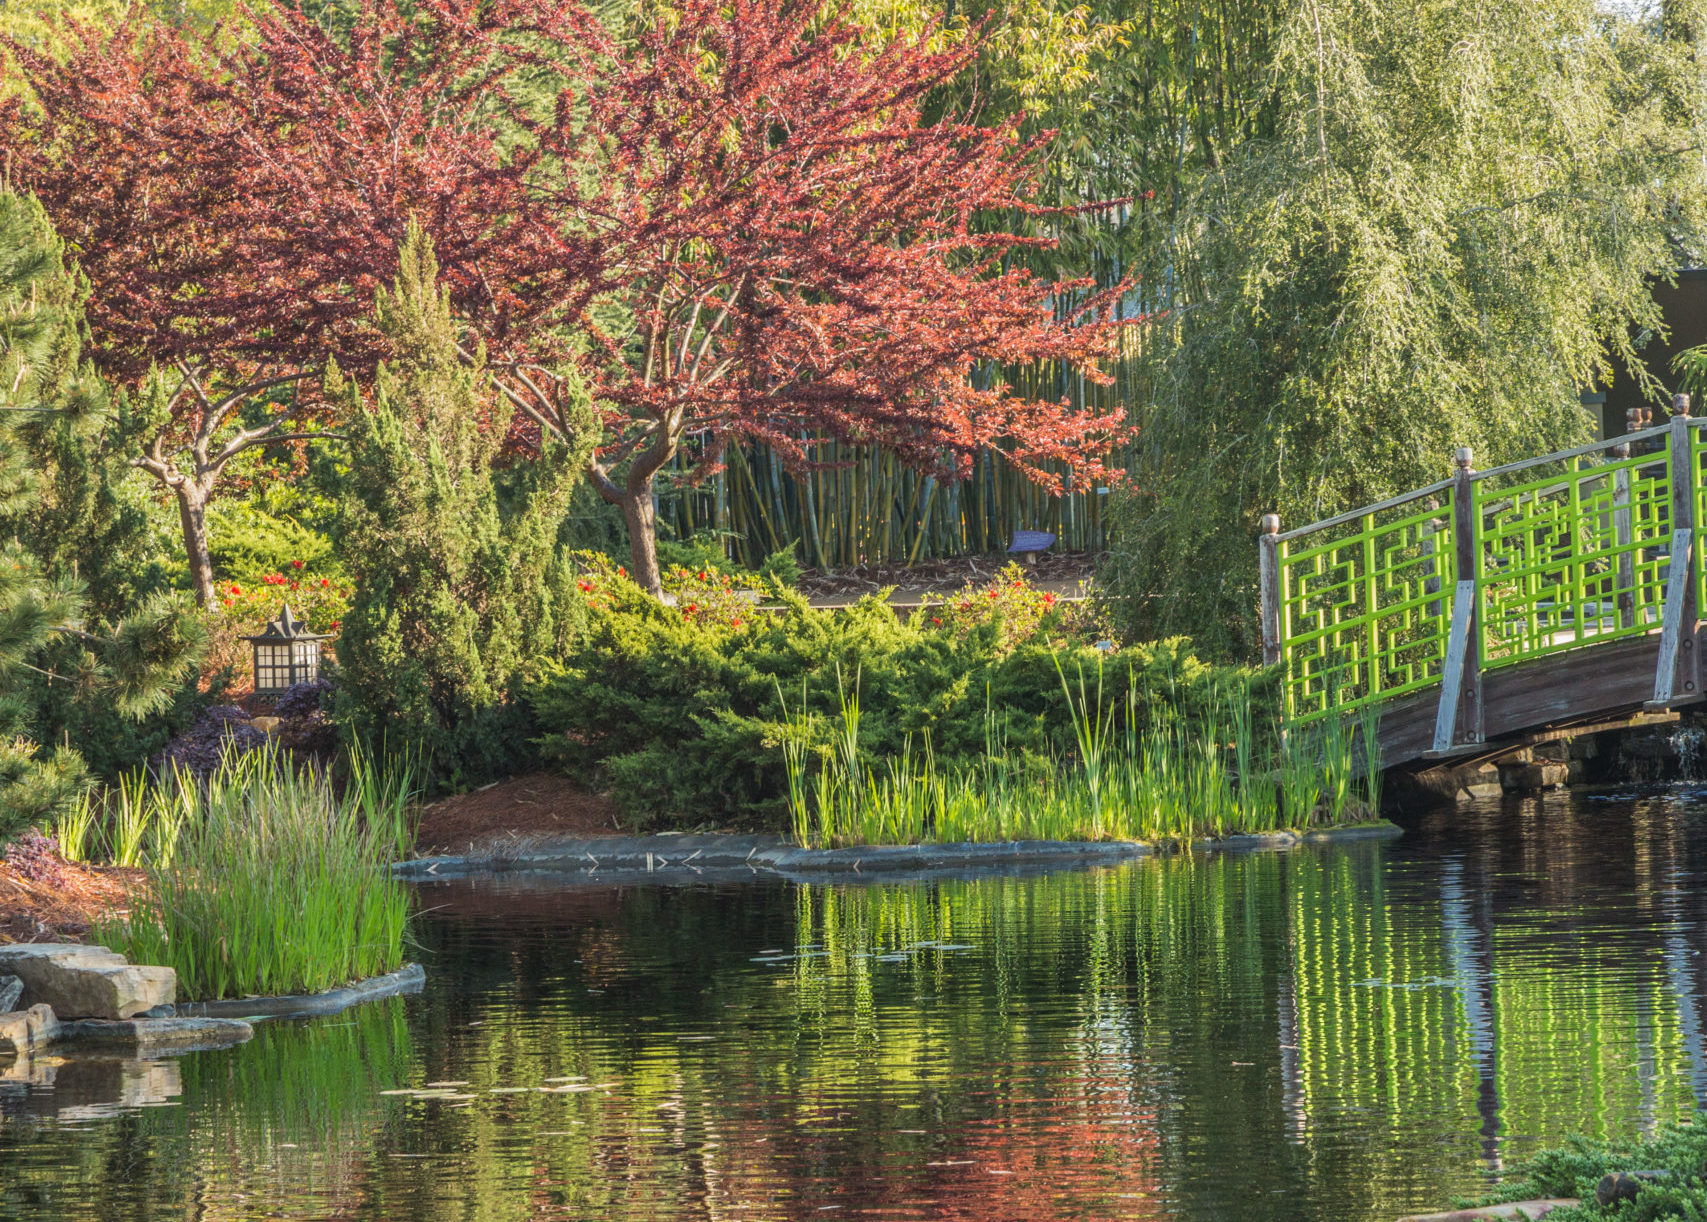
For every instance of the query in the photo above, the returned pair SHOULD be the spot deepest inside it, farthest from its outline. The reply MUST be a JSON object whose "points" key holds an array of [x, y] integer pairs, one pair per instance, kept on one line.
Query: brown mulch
{"points": [[1057, 571], [522, 808], [62, 907]]}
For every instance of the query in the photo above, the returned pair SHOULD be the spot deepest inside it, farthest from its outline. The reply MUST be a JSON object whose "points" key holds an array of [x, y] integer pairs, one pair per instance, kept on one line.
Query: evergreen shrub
{"points": [[683, 710]]}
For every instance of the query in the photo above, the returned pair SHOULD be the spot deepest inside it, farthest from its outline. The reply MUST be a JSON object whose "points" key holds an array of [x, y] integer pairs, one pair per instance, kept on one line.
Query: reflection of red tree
{"points": [[757, 1151]]}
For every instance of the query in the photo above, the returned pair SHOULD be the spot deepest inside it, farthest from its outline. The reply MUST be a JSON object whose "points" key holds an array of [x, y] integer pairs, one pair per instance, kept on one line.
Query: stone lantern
{"points": [[285, 654]]}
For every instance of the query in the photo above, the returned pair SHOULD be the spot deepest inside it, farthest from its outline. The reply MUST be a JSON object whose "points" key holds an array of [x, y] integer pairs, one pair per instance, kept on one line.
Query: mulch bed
{"points": [[1054, 570], [519, 809], [61, 905]]}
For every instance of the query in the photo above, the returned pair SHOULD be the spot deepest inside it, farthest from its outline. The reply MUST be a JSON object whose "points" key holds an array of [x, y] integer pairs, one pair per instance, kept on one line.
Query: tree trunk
{"points": [[192, 513], [642, 518]]}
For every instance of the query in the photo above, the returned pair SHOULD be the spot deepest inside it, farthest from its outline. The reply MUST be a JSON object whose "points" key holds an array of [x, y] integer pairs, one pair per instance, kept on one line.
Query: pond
{"points": [[1344, 1033]]}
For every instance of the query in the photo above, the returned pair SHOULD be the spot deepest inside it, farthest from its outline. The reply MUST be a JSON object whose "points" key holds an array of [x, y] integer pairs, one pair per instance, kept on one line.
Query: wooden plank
{"points": [[1466, 529], [1452, 678], [1268, 568], [1622, 533]]}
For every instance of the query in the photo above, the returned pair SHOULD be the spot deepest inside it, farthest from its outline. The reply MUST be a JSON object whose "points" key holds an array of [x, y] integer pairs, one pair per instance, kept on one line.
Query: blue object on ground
{"points": [[1030, 541]]}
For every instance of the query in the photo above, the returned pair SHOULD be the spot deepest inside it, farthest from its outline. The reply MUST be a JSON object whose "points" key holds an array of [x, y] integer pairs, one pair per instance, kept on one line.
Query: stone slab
{"points": [[148, 1037], [407, 979], [682, 858], [22, 1030], [86, 981], [1529, 1211]]}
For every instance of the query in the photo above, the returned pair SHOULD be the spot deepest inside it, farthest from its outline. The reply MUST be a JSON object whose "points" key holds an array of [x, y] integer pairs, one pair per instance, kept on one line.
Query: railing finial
{"points": [[1465, 457], [1680, 405], [1271, 523]]}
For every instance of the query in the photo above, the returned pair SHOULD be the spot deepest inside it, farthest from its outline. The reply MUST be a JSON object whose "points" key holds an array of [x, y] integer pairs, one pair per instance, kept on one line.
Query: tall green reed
{"points": [[1174, 779], [277, 884]]}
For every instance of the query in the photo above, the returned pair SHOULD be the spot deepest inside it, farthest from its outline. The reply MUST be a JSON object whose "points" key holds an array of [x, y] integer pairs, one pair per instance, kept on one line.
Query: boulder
{"points": [[87, 981], [26, 1029], [11, 992]]}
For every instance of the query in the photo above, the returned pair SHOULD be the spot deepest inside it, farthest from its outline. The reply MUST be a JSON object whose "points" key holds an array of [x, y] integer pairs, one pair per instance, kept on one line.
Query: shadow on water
{"points": [[1340, 1033]]}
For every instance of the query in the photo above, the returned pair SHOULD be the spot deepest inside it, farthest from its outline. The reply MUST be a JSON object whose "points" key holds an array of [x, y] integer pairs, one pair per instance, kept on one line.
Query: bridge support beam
{"points": [[1677, 671], [1458, 720]]}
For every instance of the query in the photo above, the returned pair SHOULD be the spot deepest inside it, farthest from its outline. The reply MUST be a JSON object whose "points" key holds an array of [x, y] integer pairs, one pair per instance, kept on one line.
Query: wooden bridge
{"points": [[1504, 605]]}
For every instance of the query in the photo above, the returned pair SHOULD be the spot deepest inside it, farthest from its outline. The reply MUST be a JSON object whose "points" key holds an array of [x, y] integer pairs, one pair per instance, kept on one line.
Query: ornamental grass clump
{"points": [[277, 885], [1171, 780]]}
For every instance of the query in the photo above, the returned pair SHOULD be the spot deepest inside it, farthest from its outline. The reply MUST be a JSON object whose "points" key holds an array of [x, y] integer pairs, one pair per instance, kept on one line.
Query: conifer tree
{"points": [[61, 515], [454, 552]]}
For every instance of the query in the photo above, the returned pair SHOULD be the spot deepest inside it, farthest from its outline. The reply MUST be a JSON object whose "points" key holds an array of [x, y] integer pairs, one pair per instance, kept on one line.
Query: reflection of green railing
{"points": [[1487, 570]]}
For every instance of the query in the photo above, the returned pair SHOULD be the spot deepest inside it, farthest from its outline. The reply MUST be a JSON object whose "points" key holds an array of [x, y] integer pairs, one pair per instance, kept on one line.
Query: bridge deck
{"points": [[1590, 684], [1560, 589]]}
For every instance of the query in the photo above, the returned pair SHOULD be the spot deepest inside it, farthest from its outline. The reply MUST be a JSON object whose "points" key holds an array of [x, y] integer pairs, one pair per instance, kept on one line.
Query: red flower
{"points": [[293, 585], [237, 589], [296, 564], [702, 574], [226, 601], [735, 623], [692, 607], [1048, 600], [992, 596], [324, 582], [337, 624], [936, 619], [621, 572]]}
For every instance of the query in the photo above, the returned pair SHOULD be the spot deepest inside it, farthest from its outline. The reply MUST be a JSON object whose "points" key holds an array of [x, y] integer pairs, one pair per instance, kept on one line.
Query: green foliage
{"points": [[1448, 227], [273, 884], [1678, 1153], [459, 580], [686, 710], [247, 543], [88, 642]]}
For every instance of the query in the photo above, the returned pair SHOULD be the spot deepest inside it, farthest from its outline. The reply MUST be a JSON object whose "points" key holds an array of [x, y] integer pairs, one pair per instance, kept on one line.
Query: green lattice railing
{"points": [[1486, 570]]}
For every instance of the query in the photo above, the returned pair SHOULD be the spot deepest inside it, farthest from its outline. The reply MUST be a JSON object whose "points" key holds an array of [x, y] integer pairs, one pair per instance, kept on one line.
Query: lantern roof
{"points": [[286, 628]]}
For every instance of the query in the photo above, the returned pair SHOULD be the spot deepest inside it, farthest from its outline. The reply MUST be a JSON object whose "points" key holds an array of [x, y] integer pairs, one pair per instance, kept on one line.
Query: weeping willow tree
{"points": [[1448, 223]]}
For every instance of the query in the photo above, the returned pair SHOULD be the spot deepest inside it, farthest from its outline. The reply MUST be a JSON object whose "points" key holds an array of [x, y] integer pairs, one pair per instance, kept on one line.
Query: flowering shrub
{"points": [[1009, 600], [35, 857], [701, 596], [318, 601]]}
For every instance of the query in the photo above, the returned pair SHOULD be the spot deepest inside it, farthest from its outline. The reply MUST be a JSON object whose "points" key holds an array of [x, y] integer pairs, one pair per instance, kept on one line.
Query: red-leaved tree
{"points": [[734, 224]]}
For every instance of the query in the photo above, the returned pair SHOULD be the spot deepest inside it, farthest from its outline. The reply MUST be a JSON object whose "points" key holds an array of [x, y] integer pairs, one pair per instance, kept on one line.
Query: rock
{"points": [[23, 1030], [266, 724], [1623, 1185], [147, 1037], [1544, 775], [11, 992], [87, 981], [1527, 1210]]}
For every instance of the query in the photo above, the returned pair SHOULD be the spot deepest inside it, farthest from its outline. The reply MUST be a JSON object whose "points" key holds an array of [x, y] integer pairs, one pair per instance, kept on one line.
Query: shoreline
{"points": [[683, 856]]}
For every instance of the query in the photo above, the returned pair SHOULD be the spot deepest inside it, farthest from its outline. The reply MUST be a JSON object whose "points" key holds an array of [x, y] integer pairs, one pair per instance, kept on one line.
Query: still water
{"points": [[1337, 1034]]}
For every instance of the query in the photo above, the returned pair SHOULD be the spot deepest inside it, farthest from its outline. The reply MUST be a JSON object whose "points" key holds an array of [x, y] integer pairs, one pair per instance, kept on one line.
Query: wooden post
{"points": [[1458, 719], [1677, 671], [1268, 570], [1623, 535]]}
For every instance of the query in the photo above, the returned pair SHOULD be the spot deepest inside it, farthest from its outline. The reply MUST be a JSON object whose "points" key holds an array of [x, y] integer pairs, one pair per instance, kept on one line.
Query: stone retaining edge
{"points": [[666, 857], [410, 978]]}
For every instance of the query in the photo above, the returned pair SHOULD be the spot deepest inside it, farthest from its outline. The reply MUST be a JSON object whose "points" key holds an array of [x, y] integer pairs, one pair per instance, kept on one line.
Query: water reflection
{"points": [[1349, 1034]]}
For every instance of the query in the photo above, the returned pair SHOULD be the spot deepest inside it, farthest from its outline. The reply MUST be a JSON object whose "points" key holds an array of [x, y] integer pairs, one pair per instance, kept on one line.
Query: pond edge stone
{"points": [[680, 856], [410, 978]]}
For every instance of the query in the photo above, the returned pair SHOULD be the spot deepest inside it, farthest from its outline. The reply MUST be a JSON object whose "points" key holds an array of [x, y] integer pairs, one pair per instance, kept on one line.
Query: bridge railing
{"points": [[1491, 569]]}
